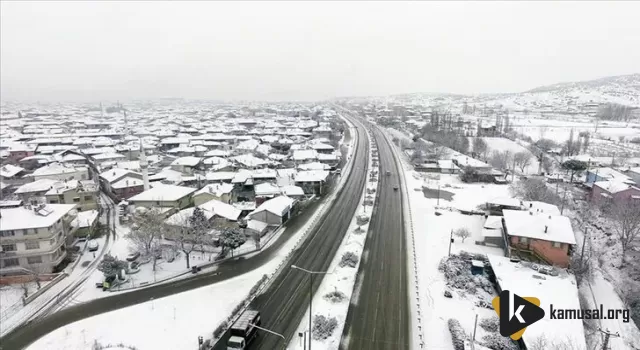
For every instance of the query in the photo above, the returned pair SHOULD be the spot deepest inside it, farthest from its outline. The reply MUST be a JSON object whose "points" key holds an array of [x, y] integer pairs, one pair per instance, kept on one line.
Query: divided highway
{"points": [[286, 300], [283, 304], [379, 319]]}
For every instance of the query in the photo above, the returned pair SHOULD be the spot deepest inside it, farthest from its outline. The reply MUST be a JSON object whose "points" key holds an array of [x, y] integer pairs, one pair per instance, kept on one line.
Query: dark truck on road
{"points": [[242, 332]]}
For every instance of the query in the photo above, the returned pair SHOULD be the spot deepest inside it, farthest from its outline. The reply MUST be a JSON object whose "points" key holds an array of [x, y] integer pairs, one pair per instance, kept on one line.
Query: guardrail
{"points": [[415, 280]]}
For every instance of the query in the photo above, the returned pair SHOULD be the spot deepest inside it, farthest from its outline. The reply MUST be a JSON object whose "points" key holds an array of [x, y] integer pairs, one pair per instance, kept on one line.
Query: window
{"points": [[88, 198], [53, 201], [76, 199], [557, 245], [52, 241], [32, 244], [11, 262], [9, 233], [31, 231], [34, 260], [9, 248], [523, 239]]}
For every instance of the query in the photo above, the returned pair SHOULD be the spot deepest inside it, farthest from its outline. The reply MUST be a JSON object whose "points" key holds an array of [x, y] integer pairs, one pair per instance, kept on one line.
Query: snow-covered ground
{"points": [[340, 279], [501, 144]]}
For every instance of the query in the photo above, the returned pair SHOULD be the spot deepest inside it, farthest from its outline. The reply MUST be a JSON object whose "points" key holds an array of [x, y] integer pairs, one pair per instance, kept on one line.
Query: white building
{"points": [[33, 237], [57, 171]]}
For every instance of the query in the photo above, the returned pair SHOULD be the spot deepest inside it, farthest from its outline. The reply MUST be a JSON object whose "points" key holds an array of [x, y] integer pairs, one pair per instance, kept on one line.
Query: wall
{"points": [[556, 256]]}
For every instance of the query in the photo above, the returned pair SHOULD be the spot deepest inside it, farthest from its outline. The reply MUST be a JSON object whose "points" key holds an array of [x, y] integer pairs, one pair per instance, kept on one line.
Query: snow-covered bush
{"points": [[457, 271], [457, 334], [349, 259], [323, 327], [220, 329], [335, 297], [496, 341], [362, 219], [490, 324]]}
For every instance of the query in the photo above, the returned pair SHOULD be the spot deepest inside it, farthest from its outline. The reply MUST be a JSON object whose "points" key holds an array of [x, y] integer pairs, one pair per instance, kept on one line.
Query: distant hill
{"points": [[631, 81]]}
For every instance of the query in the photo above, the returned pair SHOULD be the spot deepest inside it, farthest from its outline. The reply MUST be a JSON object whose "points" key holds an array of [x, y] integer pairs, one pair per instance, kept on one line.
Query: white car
{"points": [[93, 245]]}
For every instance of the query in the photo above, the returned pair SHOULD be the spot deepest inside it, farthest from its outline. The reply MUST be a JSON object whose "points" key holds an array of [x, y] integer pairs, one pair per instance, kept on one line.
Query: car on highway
{"points": [[93, 245], [388, 173], [395, 188]]}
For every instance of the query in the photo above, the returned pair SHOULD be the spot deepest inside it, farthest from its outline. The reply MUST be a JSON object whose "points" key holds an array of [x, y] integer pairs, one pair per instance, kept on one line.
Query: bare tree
{"points": [[479, 146], [522, 160], [625, 217], [463, 233], [146, 229], [533, 189], [501, 160], [191, 232]]}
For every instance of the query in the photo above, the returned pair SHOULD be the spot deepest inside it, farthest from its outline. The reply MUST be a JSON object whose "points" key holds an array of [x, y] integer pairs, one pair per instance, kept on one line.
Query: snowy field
{"points": [[501, 144], [559, 129]]}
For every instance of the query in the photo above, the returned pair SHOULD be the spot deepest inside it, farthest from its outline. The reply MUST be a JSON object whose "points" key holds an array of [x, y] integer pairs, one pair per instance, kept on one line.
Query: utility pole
{"points": [[584, 244], [450, 241], [607, 335]]}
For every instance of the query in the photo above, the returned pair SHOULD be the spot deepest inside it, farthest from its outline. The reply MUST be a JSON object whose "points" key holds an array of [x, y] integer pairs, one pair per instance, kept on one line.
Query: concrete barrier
{"points": [[53, 282]]}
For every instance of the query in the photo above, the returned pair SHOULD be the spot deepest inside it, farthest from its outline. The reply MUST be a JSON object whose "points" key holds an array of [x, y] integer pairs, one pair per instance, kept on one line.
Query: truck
{"points": [[242, 332]]}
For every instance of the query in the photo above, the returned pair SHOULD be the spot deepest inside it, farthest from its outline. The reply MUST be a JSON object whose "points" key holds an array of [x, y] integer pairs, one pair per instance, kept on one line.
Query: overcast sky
{"points": [[307, 50]]}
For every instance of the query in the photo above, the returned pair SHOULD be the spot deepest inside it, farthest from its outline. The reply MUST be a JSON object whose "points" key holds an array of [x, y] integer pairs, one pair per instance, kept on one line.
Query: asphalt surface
{"points": [[378, 316], [318, 247], [285, 301]]}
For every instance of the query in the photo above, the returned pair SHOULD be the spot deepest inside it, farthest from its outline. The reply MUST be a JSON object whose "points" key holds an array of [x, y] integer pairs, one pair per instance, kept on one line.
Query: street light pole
{"points": [[311, 273], [284, 346]]}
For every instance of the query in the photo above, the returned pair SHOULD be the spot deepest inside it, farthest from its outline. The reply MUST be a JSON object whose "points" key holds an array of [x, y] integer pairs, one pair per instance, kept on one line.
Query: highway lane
{"points": [[286, 300], [379, 317], [24, 335]]}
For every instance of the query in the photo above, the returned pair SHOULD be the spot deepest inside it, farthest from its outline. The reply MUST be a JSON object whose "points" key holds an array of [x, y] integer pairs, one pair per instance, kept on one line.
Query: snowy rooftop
{"points": [[23, 218], [85, 218], [36, 186], [293, 190], [278, 205], [311, 176], [314, 166], [105, 156], [167, 193], [220, 175], [114, 174], [221, 209], [126, 182], [56, 168], [215, 189], [9, 170], [187, 161], [305, 154], [542, 226], [249, 160], [542, 208], [614, 186], [560, 291], [610, 174], [266, 189]]}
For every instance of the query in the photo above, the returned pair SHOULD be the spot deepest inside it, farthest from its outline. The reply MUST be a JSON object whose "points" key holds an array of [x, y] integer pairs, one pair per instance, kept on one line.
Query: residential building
{"points": [[311, 181], [186, 165], [84, 194], [558, 288], [614, 191], [218, 191], [164, 196], [273, 212], [34, 237], [605, 174], [12, 175], [35, 189], [110, 177], [539, 236], [85, 223]]}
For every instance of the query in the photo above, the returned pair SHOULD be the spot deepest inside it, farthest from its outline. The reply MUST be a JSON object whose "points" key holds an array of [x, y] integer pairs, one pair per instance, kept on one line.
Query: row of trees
{"points": [[191, 233]]}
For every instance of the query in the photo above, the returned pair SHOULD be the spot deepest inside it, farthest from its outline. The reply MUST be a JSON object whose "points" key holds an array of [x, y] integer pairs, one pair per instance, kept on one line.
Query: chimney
{"points": [[546, 228], [549, 217]]}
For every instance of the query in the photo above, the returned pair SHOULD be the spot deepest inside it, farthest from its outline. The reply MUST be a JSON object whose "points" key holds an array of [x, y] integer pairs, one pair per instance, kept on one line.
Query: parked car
{"points": [[93, 245], [133, 256]]}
